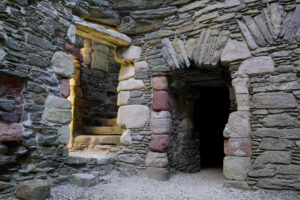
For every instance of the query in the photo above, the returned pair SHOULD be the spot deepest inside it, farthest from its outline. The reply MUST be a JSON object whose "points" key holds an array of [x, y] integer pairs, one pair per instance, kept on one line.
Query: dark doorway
{"points": [[210, 116]]}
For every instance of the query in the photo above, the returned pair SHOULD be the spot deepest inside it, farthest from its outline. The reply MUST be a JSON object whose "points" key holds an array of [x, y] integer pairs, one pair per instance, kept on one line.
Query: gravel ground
{"points": [[205, 185]]}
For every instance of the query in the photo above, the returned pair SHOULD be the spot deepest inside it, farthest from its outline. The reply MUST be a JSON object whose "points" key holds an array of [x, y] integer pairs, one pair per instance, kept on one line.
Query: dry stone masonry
{"points": [[124, 77]]}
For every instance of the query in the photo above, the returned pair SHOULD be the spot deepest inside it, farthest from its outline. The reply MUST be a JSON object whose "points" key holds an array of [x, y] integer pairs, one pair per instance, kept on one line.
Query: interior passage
{"points": [[210, 116]]}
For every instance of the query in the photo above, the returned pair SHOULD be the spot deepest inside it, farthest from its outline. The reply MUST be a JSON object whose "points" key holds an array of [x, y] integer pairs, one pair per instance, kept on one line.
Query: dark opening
{"points": [[210, 116]]}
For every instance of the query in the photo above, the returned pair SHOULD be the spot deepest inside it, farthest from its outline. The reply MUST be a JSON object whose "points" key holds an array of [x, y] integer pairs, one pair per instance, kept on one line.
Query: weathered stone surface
{"points": [[273, 157], [133, 116], [71, 34], [161, 122], [278, 133], [161, 101], [155, 159], [83, 180], [123, 98], [158, 34], [160, 174], [64, 88], [258, 65], [289, 169], [131, 158], [293, 24], [10, 132], [234, 51], [280, 120], [126, 138], [160, 83], [274, 100], [255, 31], [181, 53], [57, 110], [237, 147], [33, 190], [98, 139], [276, 16], [153, 14], [275, 144], [126, 72], [193, 5], [100, 33], [240, 85], [263, 28], [130, 84], [131, 53], [75, 160], [243, 102], [262, 172], [63, 64], [279, 183], [63, 135], [236, 168], [238, 125], [247, 35], [140, 65], [159, 143], [169, 54]]}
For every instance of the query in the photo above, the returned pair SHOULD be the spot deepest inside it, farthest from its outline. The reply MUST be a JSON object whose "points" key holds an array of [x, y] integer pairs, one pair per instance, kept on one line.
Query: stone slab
{"points": [[160, 174], [161, 101], [10, 132], [133, 116], [63, 64], [130, 84], [234, 51], [159, 143], [257, 65], [274, 100], [238, 125], [126, 138], [35, 189], [126, 72], [237, 147], [236, 168], [155, 159], [83, 180], [160, 83], [161, 122]]}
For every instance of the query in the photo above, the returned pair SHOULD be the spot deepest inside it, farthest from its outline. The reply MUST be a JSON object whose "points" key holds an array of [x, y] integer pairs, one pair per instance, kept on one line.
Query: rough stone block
{"points": [[161, 122], [240, 85], [273, 157], [160, 174], [237, 147], [243, 102], [63, 64], [10, 132], [123, 98], [71, 34], [64, 88], [126, 72], [130, 84], [63, 135], [33, 190], [155, 159], [160, 83], [280, 120], [278, 133], [126, 138], [238, 125], [159, 143], [57, 110], [133, 116], [274, 100], [83, 180], [258, 65], [161, 101], [141, 65], [129, 54], [236, 168], [234, 51]]}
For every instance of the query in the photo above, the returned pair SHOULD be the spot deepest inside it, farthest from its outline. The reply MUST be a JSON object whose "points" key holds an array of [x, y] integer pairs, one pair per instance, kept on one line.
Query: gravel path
{"points": [[205, 185]]}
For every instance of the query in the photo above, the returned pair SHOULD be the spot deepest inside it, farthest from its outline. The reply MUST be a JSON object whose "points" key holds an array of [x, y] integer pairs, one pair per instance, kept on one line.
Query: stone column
{"points": [[157, 159]]}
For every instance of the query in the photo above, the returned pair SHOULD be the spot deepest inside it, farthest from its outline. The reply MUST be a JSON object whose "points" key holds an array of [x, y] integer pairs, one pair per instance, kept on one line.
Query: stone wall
{"points": [[209, 33]]}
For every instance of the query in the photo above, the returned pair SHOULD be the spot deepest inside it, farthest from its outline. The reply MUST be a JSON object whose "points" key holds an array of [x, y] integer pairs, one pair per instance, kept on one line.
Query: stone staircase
{"points": [[103, 136]]}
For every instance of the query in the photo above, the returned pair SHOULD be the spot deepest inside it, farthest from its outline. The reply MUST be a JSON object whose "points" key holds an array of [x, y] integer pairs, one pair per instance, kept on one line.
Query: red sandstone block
{"points": [[74, 51], [159, 143], [10, 132], [160, 83], [237, 147], [64, 88], [161, 101]]}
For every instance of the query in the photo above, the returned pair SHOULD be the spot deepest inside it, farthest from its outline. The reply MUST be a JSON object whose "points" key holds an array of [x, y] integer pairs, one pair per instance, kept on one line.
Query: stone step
{"points": [[98, 139], [106, 122], [103, 130]]}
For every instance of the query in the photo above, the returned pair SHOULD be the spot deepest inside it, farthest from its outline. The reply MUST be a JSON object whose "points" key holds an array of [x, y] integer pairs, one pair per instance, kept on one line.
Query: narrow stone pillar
{"points": [[157, 159]]}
